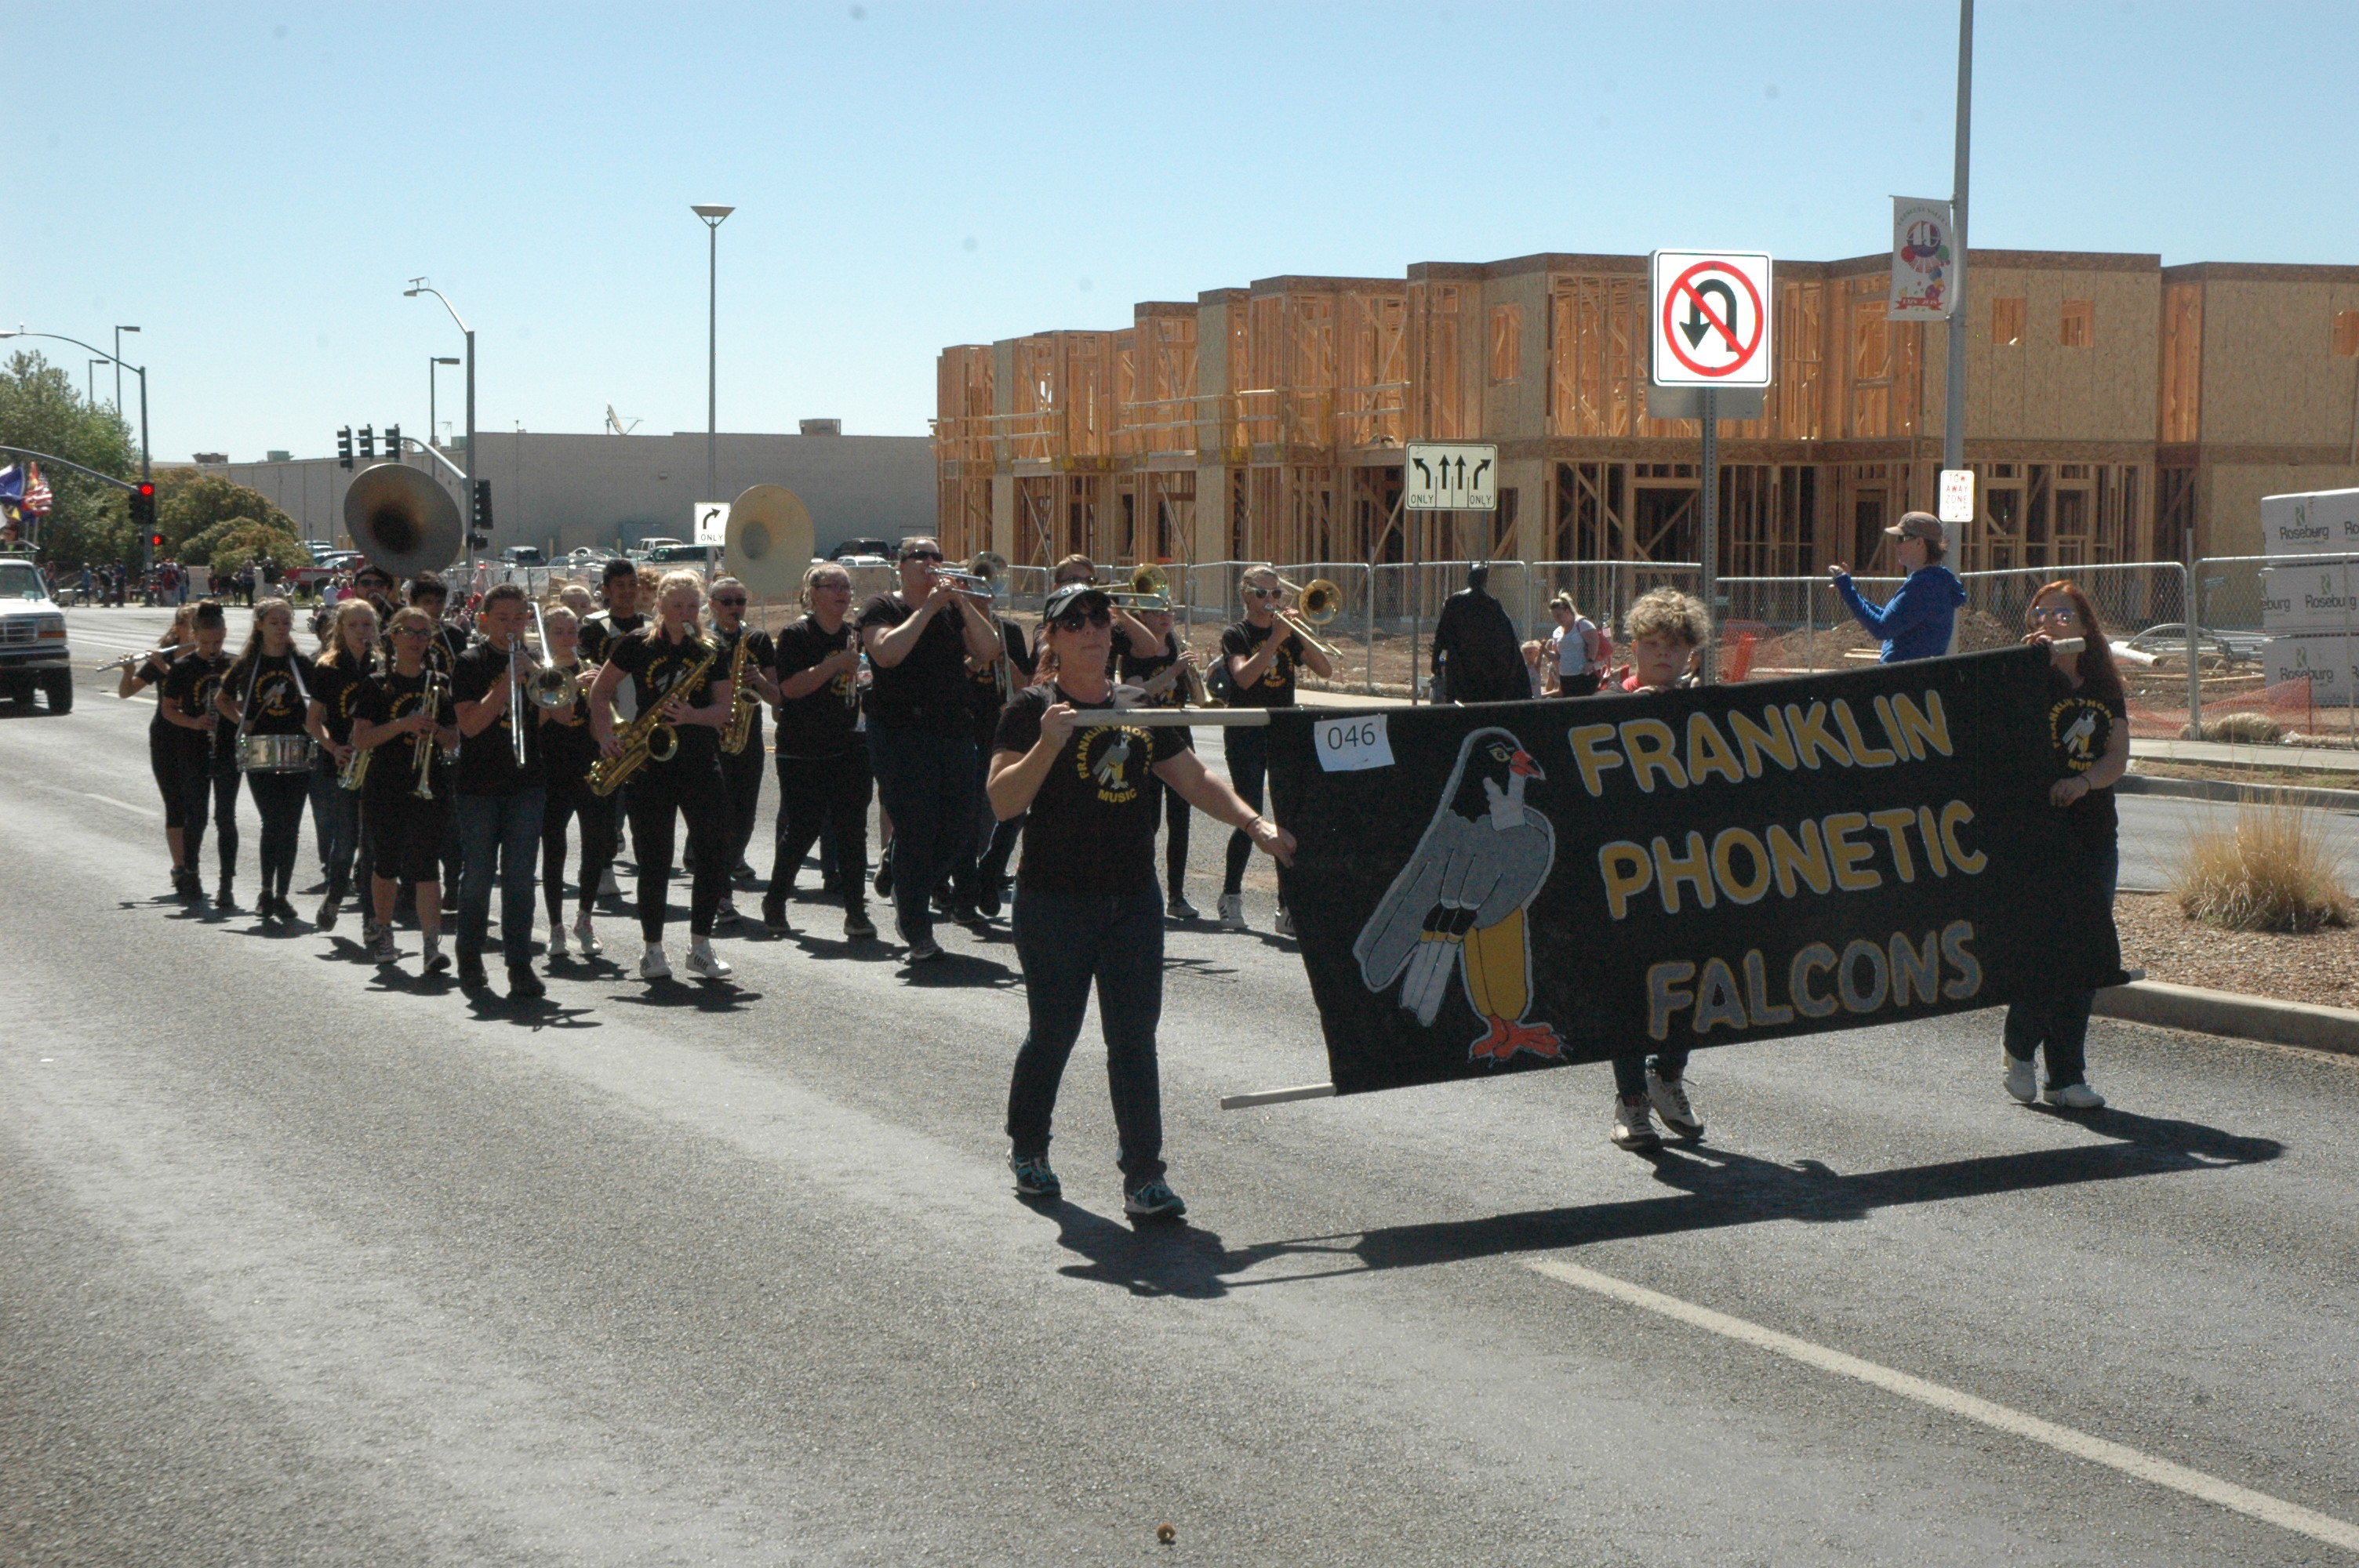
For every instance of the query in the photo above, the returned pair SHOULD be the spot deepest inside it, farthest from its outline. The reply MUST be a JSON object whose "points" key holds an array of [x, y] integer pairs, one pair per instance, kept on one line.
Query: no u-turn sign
{"points": [[1711, 319]]}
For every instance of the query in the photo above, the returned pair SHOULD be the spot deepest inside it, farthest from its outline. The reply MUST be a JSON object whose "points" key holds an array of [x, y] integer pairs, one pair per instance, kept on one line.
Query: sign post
{"points": [[1440, 476], [1711, 329]]}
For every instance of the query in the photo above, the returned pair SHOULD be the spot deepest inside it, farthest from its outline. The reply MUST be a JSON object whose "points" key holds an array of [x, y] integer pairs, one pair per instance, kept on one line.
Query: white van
{"points": [[703, 558]]}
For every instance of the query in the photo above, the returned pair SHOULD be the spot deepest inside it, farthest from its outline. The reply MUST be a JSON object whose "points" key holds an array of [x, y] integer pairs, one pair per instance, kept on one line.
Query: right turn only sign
{"points": [[1711, 319]]}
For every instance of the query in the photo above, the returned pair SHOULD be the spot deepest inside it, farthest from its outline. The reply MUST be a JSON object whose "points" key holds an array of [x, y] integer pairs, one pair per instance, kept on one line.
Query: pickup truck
{"points": [[33, 652]]}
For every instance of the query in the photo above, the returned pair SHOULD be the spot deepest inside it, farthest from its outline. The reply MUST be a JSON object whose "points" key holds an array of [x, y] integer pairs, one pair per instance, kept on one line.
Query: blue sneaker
{"points": [[1153, 1200], [1033, 1177]]}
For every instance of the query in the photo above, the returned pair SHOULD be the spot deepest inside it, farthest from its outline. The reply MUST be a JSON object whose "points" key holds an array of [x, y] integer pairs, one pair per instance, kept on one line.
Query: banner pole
{"points": [[1276, 1096]]}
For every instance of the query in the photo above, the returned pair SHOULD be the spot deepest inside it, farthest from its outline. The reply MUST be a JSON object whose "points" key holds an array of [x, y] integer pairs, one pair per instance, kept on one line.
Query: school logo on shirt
{"points": [[2079, 727], [1113, 760]]}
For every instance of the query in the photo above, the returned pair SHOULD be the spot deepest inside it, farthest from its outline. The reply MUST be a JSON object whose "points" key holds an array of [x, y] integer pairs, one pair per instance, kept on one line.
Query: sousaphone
{"points": [[401, 519], [769, 542]]}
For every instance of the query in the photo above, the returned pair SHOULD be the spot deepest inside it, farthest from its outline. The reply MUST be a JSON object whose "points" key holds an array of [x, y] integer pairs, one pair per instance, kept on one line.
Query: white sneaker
{"points": [[585, 936], [1232, 911], [1634, 1125], [1284, 925], [727, 913], [556, 941], [1670, 1099], [704, 962], [2022, 1082], [608, 887], [2075, 1096], [653, 965]]}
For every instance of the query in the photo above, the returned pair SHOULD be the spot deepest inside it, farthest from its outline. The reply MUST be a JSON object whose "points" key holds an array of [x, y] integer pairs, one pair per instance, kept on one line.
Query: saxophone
{"points": [[742, 698], [638, 737]]}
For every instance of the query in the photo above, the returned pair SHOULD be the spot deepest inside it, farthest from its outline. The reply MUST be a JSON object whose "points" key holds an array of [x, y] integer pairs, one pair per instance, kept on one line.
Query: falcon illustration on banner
{"points": [[1456, 911]]}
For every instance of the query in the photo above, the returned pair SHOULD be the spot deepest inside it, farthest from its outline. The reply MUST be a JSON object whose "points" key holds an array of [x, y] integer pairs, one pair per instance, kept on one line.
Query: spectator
{"points": [[1915, 623], [1476, 656]]}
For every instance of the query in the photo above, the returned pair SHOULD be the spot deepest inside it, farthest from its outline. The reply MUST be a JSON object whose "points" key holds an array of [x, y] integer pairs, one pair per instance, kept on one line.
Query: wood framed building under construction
{"points": [[2118, 410]]}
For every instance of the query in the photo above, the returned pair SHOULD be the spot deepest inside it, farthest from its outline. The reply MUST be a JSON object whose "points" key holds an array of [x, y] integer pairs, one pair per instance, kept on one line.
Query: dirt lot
{"points": [[2322, 968]]}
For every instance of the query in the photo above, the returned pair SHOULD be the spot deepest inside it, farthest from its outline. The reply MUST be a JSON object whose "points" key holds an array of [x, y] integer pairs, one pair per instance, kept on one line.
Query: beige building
{"points": [[2117, 410]]}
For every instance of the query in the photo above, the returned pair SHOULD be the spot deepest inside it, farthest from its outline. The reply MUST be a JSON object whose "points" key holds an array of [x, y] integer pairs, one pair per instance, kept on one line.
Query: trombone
{"points": [[1150, 588], [1316, 603], [982, 584], [543, 683]]}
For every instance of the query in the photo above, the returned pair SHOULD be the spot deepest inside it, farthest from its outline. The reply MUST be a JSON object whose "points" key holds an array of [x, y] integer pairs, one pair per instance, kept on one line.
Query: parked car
{"points": [[2170, 637], [583, 556], [523, 556], [845, 549], [705, 558], [33, 652]]}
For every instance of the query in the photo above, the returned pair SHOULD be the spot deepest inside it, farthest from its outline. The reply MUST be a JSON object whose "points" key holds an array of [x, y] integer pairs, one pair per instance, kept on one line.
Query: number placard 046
{"points": [[1349, 745]]}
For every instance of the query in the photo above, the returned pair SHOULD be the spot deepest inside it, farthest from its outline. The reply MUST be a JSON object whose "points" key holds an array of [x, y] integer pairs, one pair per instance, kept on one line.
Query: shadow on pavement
{"points": [[1716, 1188], [1146, 1258], [705, 996]]}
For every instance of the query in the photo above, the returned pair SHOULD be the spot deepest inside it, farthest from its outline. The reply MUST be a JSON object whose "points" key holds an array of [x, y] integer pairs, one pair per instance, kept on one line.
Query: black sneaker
{"points": [[226, 900], [858, 927], [987, 902], [774, 913], [885, 877], [1153, 1200], [523, 984], [1033, 1177], [471, 971]]}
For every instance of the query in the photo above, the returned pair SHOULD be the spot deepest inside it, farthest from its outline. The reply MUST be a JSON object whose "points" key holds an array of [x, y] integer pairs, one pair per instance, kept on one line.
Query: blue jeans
{"points": [[506, 827], [927, 784], [336, 816], [1064, 942], [2061, 1022]]}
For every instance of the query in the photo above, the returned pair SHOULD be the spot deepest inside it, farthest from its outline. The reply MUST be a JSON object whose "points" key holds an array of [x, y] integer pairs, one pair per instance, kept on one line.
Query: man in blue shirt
{"points": [[1917, 621]]}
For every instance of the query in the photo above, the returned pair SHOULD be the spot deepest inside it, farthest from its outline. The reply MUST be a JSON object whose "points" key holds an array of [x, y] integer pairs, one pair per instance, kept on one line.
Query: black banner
{"points": [[1531, 885]]}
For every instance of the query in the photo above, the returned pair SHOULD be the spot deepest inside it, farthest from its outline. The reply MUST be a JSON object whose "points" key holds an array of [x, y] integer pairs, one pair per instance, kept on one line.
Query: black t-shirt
{"points": [[761, 654], [152, 673], [600, 631], [658, 670], [191, 687], [1275, 687], [567, 745], [392, 696], [337, 688], [825, 723], [2080, 726], [928, 690], [982, 685], [487, 763], [277, 704], [1137, 669], [1092, 828]]}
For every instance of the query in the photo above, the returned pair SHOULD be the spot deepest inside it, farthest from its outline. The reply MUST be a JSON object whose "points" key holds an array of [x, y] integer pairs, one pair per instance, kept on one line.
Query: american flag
{"points": [[37, 498]]}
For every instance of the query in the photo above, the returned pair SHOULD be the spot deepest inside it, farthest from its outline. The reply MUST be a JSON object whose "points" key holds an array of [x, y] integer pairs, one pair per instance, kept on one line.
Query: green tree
{"points": [[40, 409], [242, 539], [190, 503]]}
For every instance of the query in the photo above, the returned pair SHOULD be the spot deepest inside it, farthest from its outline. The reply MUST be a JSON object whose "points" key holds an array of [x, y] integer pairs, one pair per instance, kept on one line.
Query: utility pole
{"points": [[1953, 433], [711, 214]]}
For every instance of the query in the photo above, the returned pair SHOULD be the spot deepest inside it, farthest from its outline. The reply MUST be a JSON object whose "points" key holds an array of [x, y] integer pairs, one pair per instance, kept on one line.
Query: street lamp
{"points": [[431, 363], [92, 376], [418, 287], [118, 365], [711, 215], [140, 370]]}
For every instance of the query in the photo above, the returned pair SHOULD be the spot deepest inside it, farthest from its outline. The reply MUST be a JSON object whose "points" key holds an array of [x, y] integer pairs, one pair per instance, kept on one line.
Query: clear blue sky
{"points": [[252, 185]]}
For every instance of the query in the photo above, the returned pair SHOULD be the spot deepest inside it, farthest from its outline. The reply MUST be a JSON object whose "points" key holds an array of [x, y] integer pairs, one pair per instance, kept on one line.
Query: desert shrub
{"points": [[2272, 869], [2238, 729]]}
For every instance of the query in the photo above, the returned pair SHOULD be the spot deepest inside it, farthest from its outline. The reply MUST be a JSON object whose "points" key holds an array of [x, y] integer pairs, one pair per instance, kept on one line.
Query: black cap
{"points": [[1071, 594]]}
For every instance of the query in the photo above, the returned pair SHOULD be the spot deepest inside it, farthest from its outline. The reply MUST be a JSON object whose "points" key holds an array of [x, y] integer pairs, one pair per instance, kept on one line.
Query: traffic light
{"points": [[143, 506], [368, 442], [344, 446], [479, 537], [393, 440]]}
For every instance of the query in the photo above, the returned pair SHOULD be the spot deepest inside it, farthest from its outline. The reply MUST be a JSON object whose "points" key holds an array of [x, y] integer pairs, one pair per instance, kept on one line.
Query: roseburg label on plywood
{"points": [[1531, 885]]}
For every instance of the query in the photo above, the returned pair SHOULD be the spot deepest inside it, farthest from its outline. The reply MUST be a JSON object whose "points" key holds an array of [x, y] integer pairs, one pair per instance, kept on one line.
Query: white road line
{"points": [[125, 803], [2063, 1438]]}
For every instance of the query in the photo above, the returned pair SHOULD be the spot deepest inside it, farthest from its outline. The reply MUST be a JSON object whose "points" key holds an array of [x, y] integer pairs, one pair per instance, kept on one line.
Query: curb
{"points": [[2202, 1012], [2215, 789]]}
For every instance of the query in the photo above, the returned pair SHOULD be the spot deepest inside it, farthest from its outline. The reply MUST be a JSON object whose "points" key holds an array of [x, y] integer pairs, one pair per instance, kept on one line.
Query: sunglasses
{"points": [[923, 556], [730, 603], [1074, 620], [1261, 593], [2051, 612], [411, 632]]}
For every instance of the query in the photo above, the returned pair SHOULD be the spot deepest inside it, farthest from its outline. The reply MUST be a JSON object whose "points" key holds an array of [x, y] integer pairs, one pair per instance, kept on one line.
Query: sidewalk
{"points": [[2331, 759]]}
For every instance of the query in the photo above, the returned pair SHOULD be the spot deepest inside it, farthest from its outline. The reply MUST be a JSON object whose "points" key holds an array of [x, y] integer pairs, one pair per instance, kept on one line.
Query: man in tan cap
{"points": [[1916, 622]]}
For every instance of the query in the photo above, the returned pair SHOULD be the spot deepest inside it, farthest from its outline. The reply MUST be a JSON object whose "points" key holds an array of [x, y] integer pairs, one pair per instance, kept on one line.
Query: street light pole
{"points": [[711, 214], [1953, 432], [140, 370], [431, 361], [118, 366], [467, 509]]}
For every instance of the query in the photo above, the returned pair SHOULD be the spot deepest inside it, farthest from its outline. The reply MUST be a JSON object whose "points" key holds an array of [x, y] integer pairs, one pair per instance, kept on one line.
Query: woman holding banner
{"points": [[2088, 733], [1087, 907]]}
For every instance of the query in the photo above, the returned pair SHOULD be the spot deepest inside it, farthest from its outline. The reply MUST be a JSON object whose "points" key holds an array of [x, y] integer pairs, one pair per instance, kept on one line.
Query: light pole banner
{"points": [[1922, 268]]}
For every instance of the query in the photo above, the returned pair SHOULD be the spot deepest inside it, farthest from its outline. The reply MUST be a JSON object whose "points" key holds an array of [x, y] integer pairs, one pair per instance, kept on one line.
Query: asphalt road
{"points": [[304, 1264]]}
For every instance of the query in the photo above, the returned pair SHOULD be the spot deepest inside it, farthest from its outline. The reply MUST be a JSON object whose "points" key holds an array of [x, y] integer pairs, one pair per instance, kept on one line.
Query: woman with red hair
{"points": [[2089, 734]]}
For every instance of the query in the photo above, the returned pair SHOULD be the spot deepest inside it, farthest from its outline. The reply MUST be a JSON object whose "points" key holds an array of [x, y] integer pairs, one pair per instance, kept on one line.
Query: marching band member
{"points": [[823, 775], [267, 692], [1160, 670], [339, 675], [405, 717], [1261, 655], [430, 594], [1667, 630], [921, 730], [618, 586], [206, 766], [500, 802], [990, 686], [741, 771], [662, 663], [1087, 905], [163, 741], [568, 748]]}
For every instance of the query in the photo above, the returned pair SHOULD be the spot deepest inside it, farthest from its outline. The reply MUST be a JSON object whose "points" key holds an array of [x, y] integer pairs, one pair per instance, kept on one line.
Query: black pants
{"points": [[830, 795], [1176, 812], [164, 750], [280, 798], [742, 775], [689, 784], [208, 787], [568, 802], [1248, 755]]}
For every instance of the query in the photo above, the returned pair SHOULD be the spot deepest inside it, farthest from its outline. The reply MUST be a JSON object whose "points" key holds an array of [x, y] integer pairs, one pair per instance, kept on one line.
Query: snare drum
{"points": [[275, 754]]}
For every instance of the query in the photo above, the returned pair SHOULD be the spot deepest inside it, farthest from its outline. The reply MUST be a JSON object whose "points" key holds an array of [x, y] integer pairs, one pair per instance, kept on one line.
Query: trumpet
{"points": [[128, 660], [1316, 603], [429, 701]]}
